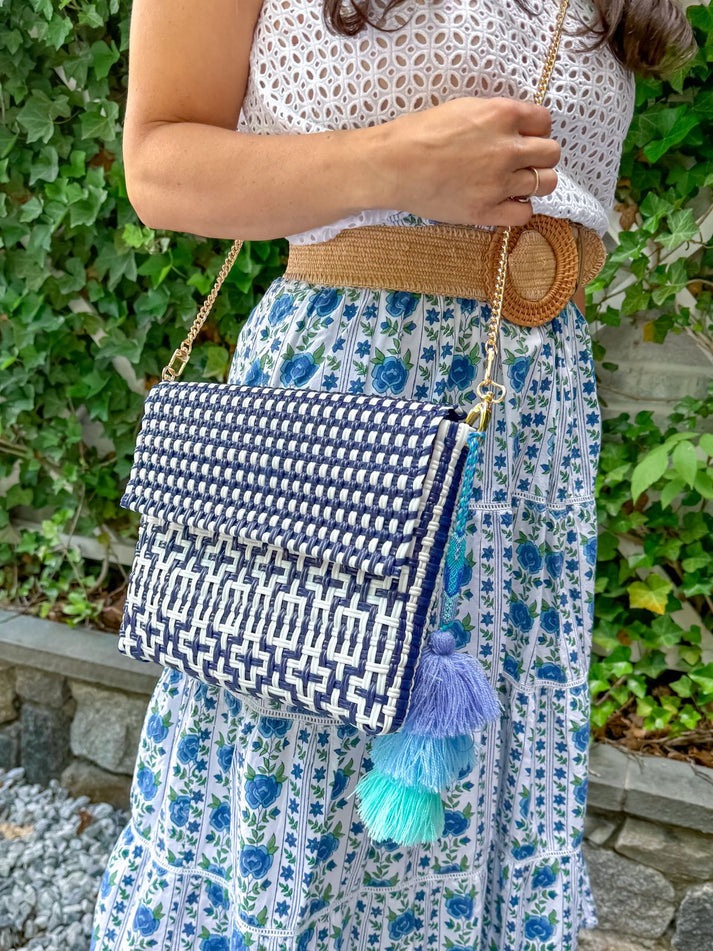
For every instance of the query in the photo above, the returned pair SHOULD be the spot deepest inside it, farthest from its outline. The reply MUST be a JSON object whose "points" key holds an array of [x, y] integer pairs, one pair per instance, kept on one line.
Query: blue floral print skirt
{"points": [[243, 833]]}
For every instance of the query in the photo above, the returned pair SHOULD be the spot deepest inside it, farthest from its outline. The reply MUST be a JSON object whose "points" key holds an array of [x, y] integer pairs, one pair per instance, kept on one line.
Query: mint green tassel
{"points": [[407, 815]]}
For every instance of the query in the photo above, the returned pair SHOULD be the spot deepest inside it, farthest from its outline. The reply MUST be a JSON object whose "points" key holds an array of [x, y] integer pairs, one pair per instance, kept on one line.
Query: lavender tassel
{"points": [[451, 694]]}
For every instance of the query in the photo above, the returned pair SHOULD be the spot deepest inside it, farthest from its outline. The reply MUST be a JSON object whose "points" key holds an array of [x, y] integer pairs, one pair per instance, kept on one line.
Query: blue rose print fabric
{"points": [[243, 831]]}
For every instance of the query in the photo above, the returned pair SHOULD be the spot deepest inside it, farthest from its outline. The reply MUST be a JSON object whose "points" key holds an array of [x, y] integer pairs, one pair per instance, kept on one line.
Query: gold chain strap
{"points": [[181, 354], [488, 390]]}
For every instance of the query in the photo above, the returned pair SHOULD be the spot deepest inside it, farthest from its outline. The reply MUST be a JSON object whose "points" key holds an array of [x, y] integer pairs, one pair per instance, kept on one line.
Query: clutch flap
{"points": [[337, 476]]}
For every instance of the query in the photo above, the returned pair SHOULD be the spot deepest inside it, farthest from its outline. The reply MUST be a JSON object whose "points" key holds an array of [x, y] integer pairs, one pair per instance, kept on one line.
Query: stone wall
{"points": [[649, 847], [71, 707]]}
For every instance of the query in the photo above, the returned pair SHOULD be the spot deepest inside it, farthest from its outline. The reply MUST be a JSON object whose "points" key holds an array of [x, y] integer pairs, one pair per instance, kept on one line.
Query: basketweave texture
{"points": [[290, 542]]}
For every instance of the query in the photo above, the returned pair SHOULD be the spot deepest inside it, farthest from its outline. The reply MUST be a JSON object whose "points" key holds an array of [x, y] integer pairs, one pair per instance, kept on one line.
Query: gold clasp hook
{"points": [[180, 356], [496, 393]]}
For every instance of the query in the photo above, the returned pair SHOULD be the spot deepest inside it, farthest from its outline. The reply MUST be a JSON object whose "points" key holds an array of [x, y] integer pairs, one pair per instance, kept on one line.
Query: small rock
{"points": [[48, 879], [694, 922], [13, 776], [630, 898], [111, 741], [49, 690], [10, 745], [680, 853], [45, 741], [598, 830]]}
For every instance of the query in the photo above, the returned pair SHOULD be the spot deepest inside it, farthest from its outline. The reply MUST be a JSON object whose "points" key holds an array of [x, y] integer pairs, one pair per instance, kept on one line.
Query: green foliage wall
{"points": [[92, 304], [83, 283], [655, 487]]}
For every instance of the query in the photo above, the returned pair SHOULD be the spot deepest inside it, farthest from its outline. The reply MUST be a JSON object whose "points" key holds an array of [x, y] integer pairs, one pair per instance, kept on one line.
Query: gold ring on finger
{"points": [[537, 180]]}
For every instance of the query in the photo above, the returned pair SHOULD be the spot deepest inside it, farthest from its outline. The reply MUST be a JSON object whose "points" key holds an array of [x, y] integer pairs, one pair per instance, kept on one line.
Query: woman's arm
{"points": [[187, 169]]}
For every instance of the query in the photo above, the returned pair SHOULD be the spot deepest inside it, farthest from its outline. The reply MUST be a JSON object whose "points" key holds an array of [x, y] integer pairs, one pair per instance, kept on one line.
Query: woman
{"points": [[243, 832]]}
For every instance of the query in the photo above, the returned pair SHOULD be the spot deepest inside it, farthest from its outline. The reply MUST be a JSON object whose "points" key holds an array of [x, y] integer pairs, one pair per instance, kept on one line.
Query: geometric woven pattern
{"points": [[290, 541]]}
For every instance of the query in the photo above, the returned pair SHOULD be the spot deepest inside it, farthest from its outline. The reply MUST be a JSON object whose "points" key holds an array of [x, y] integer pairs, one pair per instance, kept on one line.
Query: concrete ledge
{"points": [[77, 652], [651, 787]]}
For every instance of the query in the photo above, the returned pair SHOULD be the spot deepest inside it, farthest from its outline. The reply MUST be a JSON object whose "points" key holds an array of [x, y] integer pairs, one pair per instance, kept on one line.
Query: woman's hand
{"points": [[462, 161]]}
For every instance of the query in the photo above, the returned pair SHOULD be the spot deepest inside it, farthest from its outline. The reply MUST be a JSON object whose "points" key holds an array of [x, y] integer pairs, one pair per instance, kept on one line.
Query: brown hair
{"points": [[649, 37]]}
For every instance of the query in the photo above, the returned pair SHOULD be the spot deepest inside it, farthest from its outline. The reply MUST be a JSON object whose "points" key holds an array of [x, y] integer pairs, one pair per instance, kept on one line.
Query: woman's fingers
{"points": [[523, 182], [532, 120], [532, 150], [511, 214]]}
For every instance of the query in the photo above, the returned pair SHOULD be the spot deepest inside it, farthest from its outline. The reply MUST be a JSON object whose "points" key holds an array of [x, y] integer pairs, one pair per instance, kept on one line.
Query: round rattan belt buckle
{"points": [[543, 266]]}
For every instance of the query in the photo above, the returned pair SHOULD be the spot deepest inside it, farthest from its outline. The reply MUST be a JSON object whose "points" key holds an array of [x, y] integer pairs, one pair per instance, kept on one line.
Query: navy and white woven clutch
{"points": [[291, 541]]}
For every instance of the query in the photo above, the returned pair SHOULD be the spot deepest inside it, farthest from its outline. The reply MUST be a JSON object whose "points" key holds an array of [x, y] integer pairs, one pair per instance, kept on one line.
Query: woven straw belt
{"points": [[548, 260]]}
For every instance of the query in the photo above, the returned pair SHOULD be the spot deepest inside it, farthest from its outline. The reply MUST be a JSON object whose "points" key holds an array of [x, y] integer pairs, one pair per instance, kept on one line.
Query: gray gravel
{"points": [[50, 870]]}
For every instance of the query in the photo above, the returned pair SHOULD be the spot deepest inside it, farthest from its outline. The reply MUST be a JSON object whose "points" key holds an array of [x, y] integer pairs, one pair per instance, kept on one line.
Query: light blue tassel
{"points": [[423, 760], [451, 694], [407, 815]]}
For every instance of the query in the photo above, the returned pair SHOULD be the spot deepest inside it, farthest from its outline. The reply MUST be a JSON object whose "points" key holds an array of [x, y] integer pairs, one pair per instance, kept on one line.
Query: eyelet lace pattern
{"points": [[305, 79]]}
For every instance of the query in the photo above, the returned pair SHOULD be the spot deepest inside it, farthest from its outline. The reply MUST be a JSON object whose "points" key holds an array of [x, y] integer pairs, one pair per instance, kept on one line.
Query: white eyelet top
{"points": [[304, 79]]}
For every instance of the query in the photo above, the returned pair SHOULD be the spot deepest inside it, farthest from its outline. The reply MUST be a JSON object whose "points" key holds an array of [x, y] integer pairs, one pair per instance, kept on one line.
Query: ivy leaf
{"points": [[706, 444], [85, 211], [31, 209], [651, 594], [664, 128], [607, 546], [89, 15], [99, 121], [648, 471], [703, 676], [45, 166], [637, 685], [654, 207], [158, 267], [636, 298], [670, 281], [37, 115], [703, 484], [689, 717], [43, 7], [103, 58], [682, 227], [618, 663], [58, 30], [652, 665], [216, 365], [665, 632], [134, 235], [683, 686], [658, 717], [199, 280], [685, 462]]}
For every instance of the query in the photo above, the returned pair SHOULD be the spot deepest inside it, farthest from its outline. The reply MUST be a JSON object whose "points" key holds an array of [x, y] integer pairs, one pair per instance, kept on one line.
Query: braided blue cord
{"points": [[455, 556]]}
